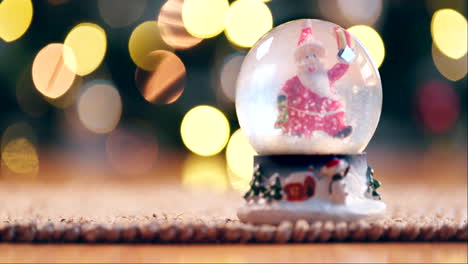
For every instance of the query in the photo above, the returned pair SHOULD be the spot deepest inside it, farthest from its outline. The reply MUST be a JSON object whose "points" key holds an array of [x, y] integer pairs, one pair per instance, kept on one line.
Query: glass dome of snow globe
{"points": [[308, 87]]}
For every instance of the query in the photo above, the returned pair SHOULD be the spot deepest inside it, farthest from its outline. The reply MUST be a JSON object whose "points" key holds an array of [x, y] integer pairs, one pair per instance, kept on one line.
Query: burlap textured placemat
{"points": [[166, 214]]}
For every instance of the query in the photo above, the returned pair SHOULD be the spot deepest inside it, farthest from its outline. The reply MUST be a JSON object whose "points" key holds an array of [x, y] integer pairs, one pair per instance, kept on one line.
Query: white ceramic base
{"points": [[313, 188], [261, 212]]}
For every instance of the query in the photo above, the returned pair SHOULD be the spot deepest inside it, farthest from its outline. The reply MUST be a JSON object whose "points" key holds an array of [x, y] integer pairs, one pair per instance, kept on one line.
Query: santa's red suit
{"points": [[305, 111]]}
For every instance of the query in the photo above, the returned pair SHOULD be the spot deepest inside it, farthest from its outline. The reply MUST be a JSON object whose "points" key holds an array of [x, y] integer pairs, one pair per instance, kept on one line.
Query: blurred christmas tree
{"points": [[275, 190], [257, 185], [373, 184]]}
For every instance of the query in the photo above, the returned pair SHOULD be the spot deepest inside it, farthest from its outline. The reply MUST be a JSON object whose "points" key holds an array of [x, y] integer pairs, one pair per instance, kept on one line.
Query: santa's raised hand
{"points": [[345, 44]]}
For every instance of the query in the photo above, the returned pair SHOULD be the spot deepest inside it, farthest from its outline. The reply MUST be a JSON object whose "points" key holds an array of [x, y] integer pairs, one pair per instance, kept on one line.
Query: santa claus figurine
{"points": [[308, 101]]}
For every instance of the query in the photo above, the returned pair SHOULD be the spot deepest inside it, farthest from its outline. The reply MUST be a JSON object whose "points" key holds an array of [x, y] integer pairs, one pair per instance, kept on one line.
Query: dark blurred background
{"points": [[424, 86]]}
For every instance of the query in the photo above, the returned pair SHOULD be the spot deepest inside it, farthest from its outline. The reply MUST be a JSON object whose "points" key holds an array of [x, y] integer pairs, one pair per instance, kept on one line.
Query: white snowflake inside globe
{"points": [[308, 87]]}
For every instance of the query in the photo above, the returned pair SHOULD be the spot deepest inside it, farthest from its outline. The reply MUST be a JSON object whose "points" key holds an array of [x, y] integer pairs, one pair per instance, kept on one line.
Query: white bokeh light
{"points": [[100, 107], [229, 73], [360, 11]]}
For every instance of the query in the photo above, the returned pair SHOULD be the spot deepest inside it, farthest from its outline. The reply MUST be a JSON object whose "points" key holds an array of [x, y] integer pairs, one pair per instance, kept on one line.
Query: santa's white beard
{"points": [[317, 82]]}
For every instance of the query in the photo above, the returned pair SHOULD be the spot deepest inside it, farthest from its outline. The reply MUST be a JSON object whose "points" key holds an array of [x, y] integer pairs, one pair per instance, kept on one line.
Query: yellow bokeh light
{"points": [[204, 173], [100, 107], [18, 151], [15, 18], [240, 158], [88, 44], [20, 156], [205, 130], [449, 32], [204, 18], [247, 21], [144, 39], [451, 69], [371, 41]]}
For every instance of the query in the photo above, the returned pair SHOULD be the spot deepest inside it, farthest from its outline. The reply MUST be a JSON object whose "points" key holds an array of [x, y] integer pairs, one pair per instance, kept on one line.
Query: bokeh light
{"points": [[452, 69], [131, 152], [204, 18], [15, 18], [434, 5], [29, 99], [360, 11], [18, 150], [371, 41], [88, 43], [100, 107], [51, 76], [229, 73], [20, 156], [70, 97], [144, 39], [449, 32], [165, 84], [240, 159], [205, 130], [121, 13], [247, 21], [172, 27], [329, 11], [205, 173], [18, 130], [438, 106], [347, 13]]}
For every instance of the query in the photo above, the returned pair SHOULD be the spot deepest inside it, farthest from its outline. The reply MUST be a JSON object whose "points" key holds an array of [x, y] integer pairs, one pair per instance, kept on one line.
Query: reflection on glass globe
{"points": [[308, 87]]}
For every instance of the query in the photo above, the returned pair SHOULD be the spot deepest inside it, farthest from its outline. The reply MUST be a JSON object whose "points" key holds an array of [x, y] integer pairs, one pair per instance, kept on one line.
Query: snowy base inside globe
{"points": [[263, 212], [313, 188]]}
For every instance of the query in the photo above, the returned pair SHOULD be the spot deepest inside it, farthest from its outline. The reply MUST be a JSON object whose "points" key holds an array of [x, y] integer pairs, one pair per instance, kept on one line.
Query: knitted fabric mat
{"points": [[156, 213]]}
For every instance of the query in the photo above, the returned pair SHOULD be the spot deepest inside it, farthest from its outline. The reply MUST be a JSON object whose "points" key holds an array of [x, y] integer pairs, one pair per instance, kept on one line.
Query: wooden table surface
{"points": [[453, 171], [299, 253]]}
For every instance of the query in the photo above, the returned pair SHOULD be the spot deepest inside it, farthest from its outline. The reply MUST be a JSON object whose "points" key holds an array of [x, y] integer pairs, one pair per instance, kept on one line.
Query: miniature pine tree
{"points": [[257, 187], [275, 191], [373, 184]]}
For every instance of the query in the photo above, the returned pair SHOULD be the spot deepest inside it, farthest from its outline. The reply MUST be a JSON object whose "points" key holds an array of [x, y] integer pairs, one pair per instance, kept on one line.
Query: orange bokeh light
{"points": [[165, 84], [51, 76], [172, 27]]}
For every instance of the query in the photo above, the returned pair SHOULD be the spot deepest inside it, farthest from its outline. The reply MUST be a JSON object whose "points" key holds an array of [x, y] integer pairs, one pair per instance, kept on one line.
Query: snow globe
{"points": [[309, 99]]}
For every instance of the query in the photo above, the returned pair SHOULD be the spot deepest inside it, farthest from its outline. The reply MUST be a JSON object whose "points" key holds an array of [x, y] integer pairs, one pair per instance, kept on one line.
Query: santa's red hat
{"points": [[306, 42], [333, 167]]}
